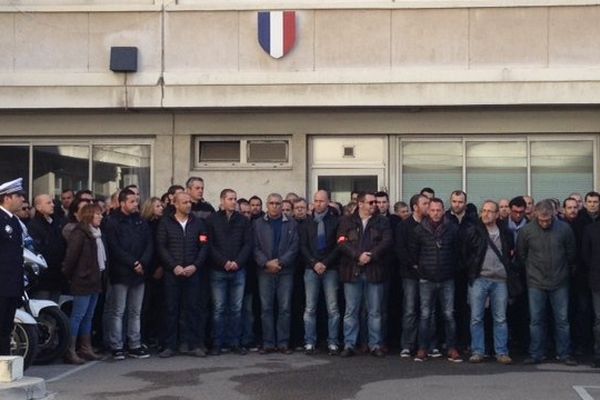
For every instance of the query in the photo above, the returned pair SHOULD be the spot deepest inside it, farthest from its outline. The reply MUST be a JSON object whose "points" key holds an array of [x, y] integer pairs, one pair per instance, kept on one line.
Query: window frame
{"points": [[243, 163]]}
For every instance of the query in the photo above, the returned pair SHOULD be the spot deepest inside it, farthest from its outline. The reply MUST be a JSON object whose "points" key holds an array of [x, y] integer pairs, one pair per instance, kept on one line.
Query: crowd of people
{"points": [[428, 278]]}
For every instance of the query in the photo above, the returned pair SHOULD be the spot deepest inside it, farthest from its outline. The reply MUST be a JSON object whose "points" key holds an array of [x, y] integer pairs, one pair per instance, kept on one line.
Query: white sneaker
{"points": [[405, 353], [309, 349], [434, 353]]}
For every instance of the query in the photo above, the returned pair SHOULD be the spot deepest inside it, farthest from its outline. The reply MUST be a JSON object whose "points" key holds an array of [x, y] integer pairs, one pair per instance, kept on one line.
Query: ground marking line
{"points": [[81, 368], [583, 393]]}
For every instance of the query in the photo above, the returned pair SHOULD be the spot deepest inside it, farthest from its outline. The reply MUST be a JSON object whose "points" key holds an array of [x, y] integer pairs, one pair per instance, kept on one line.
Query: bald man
{"points": [[45, 229]]}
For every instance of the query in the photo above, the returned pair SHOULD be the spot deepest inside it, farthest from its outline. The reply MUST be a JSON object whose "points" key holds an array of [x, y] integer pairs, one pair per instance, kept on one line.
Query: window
{"points": [[219, 151], [115, 167], [560, 168], [242, 152], [434, 164], [60, 167], [499, 167], [267, 151], [14, 161], [81, 164], [496, 170]]}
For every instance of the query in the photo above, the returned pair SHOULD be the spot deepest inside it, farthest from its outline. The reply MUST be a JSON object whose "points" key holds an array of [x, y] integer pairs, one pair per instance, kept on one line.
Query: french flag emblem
{"points": [[277, 32]]}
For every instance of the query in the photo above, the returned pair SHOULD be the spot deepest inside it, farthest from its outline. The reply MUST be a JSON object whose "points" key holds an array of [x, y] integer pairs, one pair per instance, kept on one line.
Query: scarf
{"points": [[97, 234], [321, 236]]}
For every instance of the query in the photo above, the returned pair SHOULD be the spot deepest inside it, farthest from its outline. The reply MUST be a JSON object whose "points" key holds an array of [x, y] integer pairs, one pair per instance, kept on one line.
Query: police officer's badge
{"points": [[8, 229]]}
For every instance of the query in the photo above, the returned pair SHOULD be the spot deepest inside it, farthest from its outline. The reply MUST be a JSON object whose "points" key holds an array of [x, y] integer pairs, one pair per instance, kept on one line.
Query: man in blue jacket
{"points": [[130, 248], [275, 248]]}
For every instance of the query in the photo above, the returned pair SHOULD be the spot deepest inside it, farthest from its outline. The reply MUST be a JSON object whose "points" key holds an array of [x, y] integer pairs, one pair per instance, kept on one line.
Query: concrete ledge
{"points": [[11, 368], [27, 388]]}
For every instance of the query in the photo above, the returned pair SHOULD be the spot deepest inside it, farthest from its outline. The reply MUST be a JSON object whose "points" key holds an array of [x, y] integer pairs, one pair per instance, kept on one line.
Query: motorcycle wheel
{"points": [[54, 333], [24, 342]]}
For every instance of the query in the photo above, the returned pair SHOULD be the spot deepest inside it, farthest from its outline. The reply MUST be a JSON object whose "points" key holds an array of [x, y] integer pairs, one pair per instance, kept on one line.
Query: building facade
{"points": [[496, 97]]}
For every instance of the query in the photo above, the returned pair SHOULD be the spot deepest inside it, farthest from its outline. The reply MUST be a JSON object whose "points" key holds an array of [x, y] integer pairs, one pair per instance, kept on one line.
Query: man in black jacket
{"points": [[364, 239], [487, 248], [11, 262], [320, 254], [46, 231], [182, 244], [590, 255], [130, 248], [230, 248], [419, 204], [580, 295], [434, 247]]}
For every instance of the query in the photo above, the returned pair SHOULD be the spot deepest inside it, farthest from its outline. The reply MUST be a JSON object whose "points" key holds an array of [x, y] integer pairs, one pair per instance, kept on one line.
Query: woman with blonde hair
{"points": [[83, 265]]}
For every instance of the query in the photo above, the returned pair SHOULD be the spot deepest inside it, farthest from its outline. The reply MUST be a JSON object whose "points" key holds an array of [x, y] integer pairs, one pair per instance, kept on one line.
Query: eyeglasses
{"points": [[369, 202]]}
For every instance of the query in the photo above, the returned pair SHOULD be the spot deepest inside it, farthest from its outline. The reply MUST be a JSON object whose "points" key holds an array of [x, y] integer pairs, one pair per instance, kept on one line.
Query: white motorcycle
{"points": [[42, 331]]}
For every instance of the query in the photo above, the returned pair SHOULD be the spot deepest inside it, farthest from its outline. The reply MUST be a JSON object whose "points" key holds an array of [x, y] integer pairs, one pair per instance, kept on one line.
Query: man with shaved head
{"points": [[319, 249], [45, 229]]}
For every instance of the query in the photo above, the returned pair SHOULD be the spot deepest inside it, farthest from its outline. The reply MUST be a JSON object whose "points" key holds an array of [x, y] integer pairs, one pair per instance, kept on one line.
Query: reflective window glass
{"points": [[433, 164], [116, 166], [496, 170], [60, 167], [559, 168], [14, 163]]}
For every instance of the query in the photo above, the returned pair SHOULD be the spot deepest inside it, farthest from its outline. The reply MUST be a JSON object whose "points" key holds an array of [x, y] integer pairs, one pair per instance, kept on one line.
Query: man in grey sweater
{"points": [[546, 247]]}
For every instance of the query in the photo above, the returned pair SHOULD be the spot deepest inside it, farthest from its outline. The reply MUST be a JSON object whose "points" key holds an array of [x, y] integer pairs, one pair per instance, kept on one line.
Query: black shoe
{"points": [[285, 350], [239, 350], [347, 352], [118, 355], [532, 361], [140, 352], [596, 363], [166, 353], [215, 351], [570, 361], [377, 353], [267, 350]]}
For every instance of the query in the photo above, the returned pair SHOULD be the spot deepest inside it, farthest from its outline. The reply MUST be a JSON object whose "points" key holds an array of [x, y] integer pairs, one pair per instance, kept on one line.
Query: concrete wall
{"points": [[352, 53]]}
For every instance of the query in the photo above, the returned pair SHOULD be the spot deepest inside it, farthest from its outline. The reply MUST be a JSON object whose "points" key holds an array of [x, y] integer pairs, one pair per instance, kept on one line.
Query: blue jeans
{"points": [[497, 292], [130, 298], [227, 294], [82, 314], [429, 293], [354, 293], [410, 304], [182, 294], [275, 287], [559, 301], [329, 281]]}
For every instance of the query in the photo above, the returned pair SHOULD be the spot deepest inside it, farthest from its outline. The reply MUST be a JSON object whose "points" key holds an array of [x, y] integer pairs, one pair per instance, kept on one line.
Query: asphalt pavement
{"points": [[302, 377]]}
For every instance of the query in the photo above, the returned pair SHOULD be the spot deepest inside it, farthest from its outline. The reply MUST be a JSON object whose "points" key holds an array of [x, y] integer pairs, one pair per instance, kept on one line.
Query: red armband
{"points": [[203, 239], [342, 240]]}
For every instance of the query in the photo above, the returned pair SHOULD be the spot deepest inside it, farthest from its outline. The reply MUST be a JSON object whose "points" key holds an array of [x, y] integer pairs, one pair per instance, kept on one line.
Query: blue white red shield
{"points": [[277, 32]]}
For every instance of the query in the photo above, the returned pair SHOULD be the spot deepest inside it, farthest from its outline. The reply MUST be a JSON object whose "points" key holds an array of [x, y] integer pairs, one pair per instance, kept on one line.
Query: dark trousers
{"points": [[181, 295], [8, 306]]}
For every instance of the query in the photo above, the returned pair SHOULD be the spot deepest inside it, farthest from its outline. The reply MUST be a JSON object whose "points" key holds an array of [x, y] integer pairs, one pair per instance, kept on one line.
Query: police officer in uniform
{"points": [[11, 258]]}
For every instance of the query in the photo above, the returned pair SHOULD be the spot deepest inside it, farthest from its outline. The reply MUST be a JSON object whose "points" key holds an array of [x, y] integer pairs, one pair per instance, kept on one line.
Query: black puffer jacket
{"points": [[353, 241], [475, 245], [178, 248], [129, 240], [436, 251], [230, 239]]}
